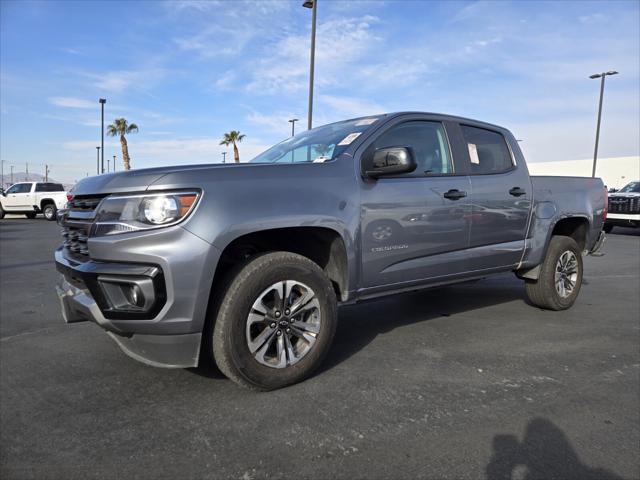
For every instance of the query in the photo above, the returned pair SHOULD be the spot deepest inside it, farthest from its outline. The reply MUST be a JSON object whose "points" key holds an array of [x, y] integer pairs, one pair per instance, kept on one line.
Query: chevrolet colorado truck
{"points": [[31, 198], [245, 264], [624, 207]]}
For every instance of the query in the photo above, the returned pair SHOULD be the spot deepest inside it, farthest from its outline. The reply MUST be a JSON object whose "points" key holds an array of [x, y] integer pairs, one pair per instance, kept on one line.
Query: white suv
{"points": [[31, 198]]}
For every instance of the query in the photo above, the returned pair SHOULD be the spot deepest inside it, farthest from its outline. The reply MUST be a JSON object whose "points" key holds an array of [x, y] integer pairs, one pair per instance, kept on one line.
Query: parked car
{"points": [[624, 207], [31, 198], [246, 263]]}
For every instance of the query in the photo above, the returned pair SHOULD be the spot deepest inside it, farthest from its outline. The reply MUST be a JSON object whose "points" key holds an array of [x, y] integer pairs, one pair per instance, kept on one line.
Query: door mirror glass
{"points": [[389, 161]]}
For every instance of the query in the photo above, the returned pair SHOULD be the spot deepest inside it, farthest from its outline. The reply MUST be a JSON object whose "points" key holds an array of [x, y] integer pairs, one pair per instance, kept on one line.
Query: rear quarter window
{"points": [[49, 187]]}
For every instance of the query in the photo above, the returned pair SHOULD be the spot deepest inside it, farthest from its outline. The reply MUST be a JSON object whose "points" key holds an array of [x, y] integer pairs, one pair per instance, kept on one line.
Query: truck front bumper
{"points": [[172, 279]]}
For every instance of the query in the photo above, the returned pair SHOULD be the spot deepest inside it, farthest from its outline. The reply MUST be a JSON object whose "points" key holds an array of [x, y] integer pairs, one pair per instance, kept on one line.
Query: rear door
{"points": [[18, 197], [412, 229], [500, 197]]}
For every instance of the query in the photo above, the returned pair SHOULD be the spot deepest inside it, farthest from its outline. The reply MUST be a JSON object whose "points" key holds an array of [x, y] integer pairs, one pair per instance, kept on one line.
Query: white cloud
{"points": [[350, 106], [72, 102], [225, 80], [340, 42], [277, 122]]}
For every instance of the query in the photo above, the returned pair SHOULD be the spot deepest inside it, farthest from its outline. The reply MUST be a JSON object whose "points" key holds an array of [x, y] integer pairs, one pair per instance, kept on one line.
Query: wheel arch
{"points": [[323, 245]]}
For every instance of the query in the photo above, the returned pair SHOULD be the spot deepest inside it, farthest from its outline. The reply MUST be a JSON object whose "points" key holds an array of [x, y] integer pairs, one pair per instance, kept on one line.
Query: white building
{"points": [[615, 172]]}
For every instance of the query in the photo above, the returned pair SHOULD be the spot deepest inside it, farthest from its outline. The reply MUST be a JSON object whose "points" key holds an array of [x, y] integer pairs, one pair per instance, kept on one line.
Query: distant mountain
{"points": [[23, 177]]}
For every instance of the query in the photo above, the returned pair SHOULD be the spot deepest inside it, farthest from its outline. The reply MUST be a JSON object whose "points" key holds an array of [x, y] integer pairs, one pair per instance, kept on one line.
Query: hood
{"points": [[624, 195], [135, 180]]}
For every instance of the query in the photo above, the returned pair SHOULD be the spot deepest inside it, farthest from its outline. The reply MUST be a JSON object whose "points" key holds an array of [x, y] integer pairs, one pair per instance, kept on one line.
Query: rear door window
{"points": [[49, 187], [488, 151]]}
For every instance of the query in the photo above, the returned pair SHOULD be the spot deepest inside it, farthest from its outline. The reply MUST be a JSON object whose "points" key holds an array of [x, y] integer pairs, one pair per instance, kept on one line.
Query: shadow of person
{"points": [[544, 453]]}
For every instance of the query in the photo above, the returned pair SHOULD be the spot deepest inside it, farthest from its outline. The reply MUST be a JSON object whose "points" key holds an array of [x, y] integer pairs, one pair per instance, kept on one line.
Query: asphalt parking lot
{"points": [[461, 382]]}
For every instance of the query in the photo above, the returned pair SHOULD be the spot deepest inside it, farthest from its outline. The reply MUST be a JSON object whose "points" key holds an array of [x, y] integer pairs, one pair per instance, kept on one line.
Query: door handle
{"points": [[454, 194], [517, 192]]}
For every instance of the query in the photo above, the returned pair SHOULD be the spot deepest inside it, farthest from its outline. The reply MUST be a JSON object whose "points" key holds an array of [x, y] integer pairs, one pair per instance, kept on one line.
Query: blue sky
{"points": [[188, 71]]}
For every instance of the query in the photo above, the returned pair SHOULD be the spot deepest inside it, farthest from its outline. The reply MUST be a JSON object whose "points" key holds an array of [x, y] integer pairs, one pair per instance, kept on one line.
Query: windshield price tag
{"points": [[349, 138]]}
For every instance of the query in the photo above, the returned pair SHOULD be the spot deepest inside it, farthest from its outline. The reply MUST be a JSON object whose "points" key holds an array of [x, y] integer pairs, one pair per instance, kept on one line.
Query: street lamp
{"points": [[102, 102], [97, 160], [595, 151], [313, 5], [224, 157], [293, 126]]}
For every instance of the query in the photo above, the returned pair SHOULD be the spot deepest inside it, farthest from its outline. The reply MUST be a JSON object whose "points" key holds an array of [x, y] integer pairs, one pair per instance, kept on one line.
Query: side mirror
{"points": [[389, 161]]}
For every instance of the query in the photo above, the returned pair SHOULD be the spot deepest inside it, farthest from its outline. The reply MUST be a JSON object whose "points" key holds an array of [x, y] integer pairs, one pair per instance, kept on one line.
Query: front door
{"points": [[414, 226], [18, 197]]}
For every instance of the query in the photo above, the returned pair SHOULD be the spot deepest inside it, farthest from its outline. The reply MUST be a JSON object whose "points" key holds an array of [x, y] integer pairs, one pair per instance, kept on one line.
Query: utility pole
{"points": [[27, 172], [2, 174], [11, 174], [97, 160], [114, 163], [224, 157], [46, 173], [102, 102], [108, 165]]}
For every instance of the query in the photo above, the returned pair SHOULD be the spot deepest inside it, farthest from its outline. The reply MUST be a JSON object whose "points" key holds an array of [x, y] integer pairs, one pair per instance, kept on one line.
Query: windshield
{"points": [[633, 187], [320, 144]]}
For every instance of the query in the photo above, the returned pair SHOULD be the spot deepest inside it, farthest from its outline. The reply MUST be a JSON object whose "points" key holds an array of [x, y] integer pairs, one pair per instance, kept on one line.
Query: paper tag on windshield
{"points": [[349, 138], [473, 153], [366, 121]]}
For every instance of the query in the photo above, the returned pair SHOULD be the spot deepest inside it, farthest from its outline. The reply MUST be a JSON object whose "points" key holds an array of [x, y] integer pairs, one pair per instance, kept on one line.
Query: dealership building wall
{"points": [[615, 172]]}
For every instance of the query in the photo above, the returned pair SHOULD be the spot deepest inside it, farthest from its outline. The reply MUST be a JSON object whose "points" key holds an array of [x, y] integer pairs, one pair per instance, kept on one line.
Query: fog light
{"points": [[134, 295], [128, 294]]}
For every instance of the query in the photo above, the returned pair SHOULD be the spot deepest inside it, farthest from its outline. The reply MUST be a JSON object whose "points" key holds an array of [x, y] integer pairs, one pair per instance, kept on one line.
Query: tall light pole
{"points": [[97, 160], [108, 165], [114, 163], [11, 174], [102, 102], [595, 150], [293, 126], [2, 174], [313, 5], [224, 157]]}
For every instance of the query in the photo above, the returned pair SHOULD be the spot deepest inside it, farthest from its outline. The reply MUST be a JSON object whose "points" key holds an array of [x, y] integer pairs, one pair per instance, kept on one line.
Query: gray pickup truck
{"points": [[245, 264]]}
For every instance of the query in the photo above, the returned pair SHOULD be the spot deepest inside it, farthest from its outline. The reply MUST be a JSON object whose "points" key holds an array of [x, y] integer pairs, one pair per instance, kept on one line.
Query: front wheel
{"points": [[560, 278], [276, 321], [49, 211]]}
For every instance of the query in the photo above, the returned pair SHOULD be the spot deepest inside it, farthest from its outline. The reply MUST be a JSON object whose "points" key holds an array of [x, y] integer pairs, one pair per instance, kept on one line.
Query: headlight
{"points": [[130, 213]]}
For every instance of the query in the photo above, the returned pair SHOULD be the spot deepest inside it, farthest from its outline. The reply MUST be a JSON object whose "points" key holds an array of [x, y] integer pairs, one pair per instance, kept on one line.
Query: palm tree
{"points": [[120, 126], [233, 138]]}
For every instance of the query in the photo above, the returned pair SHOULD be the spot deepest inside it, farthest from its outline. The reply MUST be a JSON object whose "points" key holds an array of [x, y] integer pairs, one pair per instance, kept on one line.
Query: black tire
{"points": [[49, 211], [246, 284], [1, 212], [607, 228], [30, 215], [542, 292]]}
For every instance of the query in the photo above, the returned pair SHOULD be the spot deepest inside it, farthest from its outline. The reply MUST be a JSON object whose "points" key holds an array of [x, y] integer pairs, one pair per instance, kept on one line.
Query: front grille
{"points": [[75, 238], [76, 223], [629, 205], [84, 203]]}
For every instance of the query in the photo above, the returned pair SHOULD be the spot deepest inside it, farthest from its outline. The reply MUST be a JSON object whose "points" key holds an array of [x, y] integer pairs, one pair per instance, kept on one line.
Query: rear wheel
{"points": [[275, 322], [560, 278], [30, 215], [49, 211]]}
